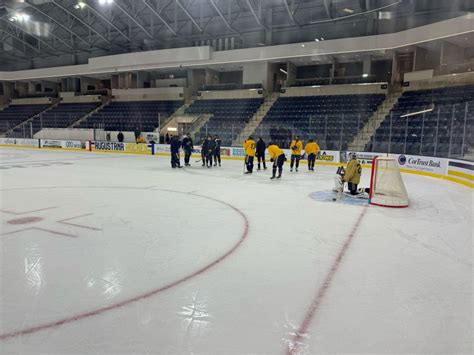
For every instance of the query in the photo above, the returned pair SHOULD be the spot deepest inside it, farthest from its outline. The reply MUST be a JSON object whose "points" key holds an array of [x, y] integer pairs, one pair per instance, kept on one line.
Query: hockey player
{"points": [[352, 174], [217, 150], [261, 153], [339, 183], [249, 146], [296, 148], [175, 144], [203, 151], [211, 147], [188, 148], [278, 158], [311, 149]]}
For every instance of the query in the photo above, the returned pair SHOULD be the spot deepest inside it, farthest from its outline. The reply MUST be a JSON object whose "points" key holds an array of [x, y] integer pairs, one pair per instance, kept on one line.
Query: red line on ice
{"points": [[145, 295], [294, 345]]}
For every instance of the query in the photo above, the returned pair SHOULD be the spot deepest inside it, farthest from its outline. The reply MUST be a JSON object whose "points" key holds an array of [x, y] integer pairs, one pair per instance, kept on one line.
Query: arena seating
{"points": [[15, 114], [436, 133], [63, 115], [129, 115], [229, 116], [332, 120]]}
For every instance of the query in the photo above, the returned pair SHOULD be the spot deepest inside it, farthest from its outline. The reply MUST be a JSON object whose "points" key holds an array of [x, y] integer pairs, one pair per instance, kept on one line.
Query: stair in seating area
{"points": [[365, 134], [200, 121], [164, 123], [11, 132], [256, 119], [77, 123]]}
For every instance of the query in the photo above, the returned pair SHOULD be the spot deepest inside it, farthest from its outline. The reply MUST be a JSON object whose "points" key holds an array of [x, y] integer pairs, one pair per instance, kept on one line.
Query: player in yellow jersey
{"points": [[311, 149], [277, 157], [296, 147], [249, 147]]}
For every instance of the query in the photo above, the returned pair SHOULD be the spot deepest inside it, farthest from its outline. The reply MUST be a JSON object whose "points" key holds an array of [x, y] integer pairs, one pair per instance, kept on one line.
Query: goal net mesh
{"points": [[387, 187]]}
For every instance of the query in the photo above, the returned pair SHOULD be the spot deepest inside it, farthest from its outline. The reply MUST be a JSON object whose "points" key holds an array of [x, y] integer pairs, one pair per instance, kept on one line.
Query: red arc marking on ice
{"points": [[149, 294]]}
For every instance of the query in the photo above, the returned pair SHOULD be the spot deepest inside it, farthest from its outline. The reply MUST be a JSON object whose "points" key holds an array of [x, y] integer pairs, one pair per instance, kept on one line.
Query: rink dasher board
{"points": [[455, 170]]}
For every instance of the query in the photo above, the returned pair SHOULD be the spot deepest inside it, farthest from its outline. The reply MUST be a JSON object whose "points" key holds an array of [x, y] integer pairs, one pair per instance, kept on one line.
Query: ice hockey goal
{"points": [[386, 184]]}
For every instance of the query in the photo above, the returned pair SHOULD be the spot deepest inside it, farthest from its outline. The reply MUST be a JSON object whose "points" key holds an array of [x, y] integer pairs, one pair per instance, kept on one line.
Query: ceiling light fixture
{"points": [[365, 75], [349, 11], [283, 71], [80, 5]]}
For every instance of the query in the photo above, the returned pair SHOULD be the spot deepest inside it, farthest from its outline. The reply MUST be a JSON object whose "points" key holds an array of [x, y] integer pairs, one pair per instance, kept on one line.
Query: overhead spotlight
{"points": [[80, 5], [322, 38], [316, 39], [20, 18], [365, 75], [105, 2]]}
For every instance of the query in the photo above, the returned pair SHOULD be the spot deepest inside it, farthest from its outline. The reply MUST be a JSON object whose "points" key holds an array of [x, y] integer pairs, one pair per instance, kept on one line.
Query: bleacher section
{"points": [[15, 114], [128, 115], [431, 133], [332, 120], [229, 116], [62, 115]]}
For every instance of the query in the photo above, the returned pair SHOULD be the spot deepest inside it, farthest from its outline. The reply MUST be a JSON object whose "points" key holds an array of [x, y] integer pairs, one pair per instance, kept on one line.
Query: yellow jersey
{"points": [[274, 151], [353, 172], [298, 145], [311, 148], [249, 146]]}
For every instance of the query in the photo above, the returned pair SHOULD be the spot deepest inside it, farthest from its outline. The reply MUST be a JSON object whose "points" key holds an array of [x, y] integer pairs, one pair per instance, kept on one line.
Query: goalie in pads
{"points": [[351, 175]]}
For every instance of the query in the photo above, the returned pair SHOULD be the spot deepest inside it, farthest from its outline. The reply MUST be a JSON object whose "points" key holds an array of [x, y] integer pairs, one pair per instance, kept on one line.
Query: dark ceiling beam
{"points": [[107, 21], [29, 34], [133, 19], [45, 14], [219, 12], [157, 14], [290, 13], [186, 12], [37, 50], [327, 7], [249, 4], [77, 18]]}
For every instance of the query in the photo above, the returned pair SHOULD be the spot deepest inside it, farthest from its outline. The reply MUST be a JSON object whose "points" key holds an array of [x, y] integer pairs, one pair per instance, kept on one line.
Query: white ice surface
{"points": [[404, 285]]}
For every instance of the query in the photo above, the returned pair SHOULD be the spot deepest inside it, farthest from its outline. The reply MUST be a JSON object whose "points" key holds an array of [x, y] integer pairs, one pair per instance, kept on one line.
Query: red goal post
{"points": [[386, 184]]}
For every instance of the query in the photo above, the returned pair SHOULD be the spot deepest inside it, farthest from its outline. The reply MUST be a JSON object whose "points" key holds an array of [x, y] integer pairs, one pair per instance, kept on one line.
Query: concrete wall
{"points": [[32, 101], [229, 94], [442, 81], [165, 83], [256, 73], [148, 94], [81, 99], [350, 89]]}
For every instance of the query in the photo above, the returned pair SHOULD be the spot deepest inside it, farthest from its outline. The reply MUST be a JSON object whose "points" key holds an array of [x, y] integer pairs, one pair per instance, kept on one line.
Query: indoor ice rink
{"points": [[137, 216], [121, 254]]}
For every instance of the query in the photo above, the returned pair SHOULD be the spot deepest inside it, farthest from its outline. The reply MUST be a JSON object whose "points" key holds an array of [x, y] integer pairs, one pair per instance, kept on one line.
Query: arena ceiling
{"points": [[45, 33]]}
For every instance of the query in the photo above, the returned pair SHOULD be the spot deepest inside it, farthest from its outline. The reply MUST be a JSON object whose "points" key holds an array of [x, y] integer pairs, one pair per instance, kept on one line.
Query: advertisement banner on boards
{"points": [[363, 157], [107, 146], [48, 143], [139, 148], [20, 141], [328, 156], [74, 145], [421, 163]]}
